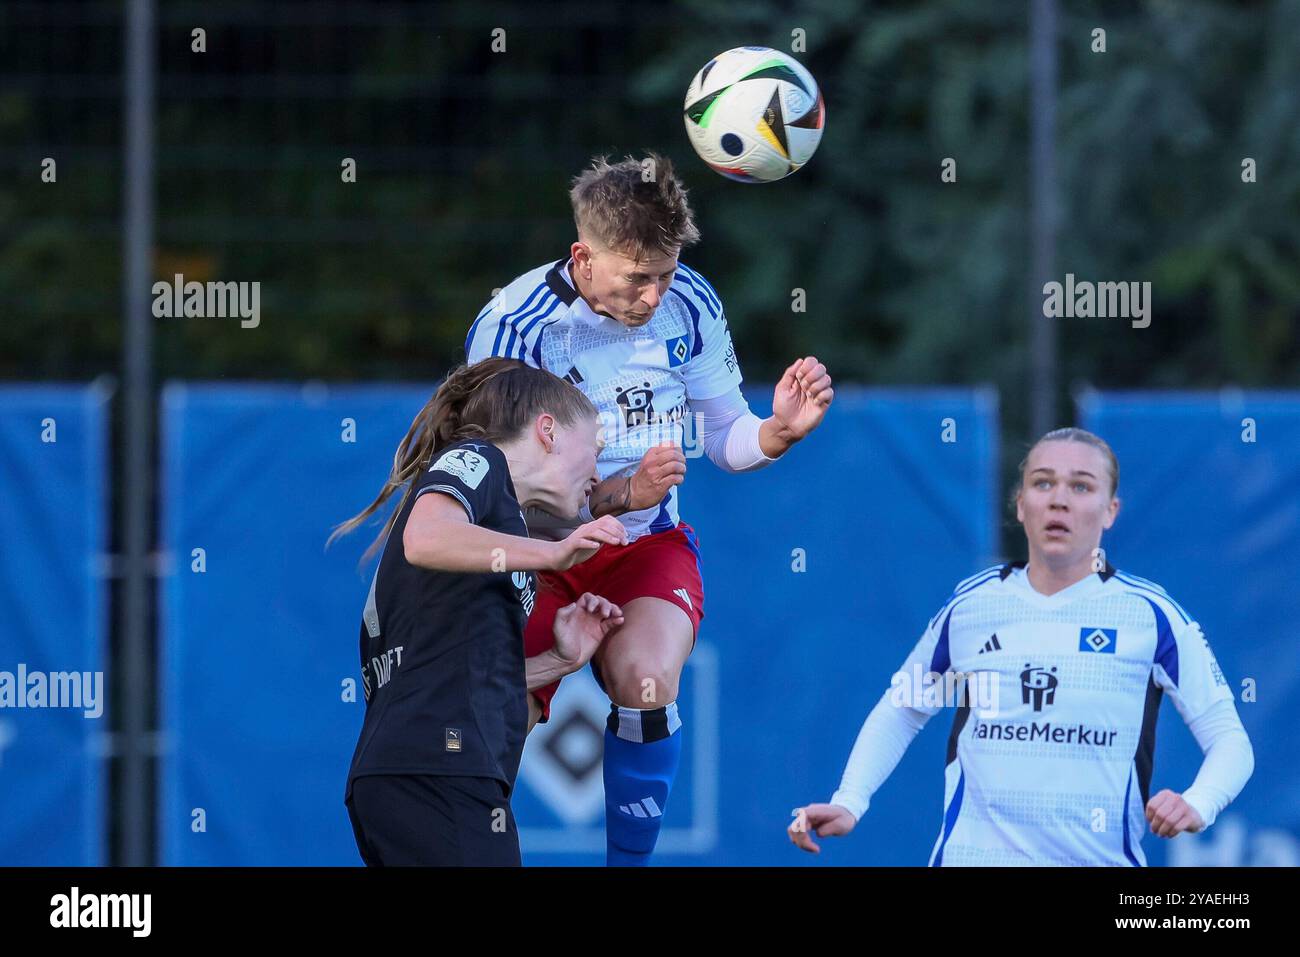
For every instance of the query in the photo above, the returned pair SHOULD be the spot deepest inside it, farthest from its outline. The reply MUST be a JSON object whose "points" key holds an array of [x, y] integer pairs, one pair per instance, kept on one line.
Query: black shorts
{"points": [[433, 821]]}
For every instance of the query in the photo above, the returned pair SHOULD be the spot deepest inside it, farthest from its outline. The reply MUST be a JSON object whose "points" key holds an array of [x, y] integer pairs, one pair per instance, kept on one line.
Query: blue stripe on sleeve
{"points": [[501, 327], [698, 286], [1141, 584], [1166, 648], [523, 333], [541, 303]]}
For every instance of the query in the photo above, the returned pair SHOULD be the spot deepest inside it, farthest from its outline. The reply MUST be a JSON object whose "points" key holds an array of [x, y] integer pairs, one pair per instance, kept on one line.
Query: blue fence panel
{"points": [[259, 647], [53, 696], [1210, 491]]}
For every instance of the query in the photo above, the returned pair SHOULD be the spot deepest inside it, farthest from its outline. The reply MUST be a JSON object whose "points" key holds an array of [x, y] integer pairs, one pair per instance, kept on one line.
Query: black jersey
{"points": [[442, 653]]}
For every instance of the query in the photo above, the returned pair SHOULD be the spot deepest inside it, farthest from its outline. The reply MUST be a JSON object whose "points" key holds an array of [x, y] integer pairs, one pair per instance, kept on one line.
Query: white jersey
{"points": [[642, 381], [1061, 774]]}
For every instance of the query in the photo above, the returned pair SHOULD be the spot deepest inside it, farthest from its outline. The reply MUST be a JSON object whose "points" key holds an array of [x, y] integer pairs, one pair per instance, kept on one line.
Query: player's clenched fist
{"points": [[581, 627], [1170, 815], [586, 540], [662, 467], [825, 820]]}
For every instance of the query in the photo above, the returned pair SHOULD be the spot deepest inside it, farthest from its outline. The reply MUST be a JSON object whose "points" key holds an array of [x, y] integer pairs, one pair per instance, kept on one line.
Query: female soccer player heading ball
{"points": [[645, 338], [1080, 655]]}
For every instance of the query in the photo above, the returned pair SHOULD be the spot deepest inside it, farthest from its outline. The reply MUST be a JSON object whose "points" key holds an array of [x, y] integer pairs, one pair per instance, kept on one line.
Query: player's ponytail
{"points": [[495, 400]]}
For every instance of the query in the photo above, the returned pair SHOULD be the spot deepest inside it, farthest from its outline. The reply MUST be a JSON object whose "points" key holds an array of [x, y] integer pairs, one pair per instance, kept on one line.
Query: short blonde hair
{"points": [[636, 207]]}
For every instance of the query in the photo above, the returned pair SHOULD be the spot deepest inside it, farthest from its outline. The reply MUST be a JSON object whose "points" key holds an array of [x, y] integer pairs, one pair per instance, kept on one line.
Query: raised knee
{"points": [[641, 685]]}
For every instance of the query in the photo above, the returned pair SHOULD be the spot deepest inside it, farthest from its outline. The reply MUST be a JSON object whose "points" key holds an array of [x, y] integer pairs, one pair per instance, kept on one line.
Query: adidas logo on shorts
{"points": [[646, 807]]}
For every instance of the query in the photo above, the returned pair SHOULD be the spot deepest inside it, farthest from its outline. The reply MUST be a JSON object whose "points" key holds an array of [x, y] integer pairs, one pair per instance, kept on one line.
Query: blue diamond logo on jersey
{"points": [[679, 350], [1100, 640]]}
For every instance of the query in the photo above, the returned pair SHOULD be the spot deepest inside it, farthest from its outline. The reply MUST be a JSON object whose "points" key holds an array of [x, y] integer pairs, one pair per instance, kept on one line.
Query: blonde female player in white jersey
{"points": [[645, 338], [1079, 655]]}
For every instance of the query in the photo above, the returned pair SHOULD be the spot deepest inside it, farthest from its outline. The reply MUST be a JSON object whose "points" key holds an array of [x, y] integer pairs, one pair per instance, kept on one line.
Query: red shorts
{"points": [[660, 565]]}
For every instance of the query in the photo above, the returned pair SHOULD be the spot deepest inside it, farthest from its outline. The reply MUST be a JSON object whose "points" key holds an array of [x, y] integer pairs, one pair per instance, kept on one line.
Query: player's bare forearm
{"points": [[458, 546], [544, 669], [612, 496], [774, 438]]}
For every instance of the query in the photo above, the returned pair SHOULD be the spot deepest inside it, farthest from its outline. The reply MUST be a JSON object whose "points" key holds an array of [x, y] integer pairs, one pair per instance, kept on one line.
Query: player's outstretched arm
{"points": [[798, 406], [439, 536], [881, 743], [586, 540]]}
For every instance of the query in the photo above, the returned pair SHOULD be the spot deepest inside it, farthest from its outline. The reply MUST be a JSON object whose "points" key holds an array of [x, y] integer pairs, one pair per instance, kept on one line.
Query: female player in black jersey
{"points": [[442, 636]]}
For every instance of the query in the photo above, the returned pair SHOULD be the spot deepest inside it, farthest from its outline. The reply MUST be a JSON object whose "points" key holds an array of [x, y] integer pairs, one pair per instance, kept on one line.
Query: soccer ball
{"points": [[754, 114]]}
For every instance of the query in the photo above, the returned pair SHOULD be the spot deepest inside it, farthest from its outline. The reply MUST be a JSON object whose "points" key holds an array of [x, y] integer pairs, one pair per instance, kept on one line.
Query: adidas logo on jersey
{"points": [[991, 645], [646, 807], [681, 593]]}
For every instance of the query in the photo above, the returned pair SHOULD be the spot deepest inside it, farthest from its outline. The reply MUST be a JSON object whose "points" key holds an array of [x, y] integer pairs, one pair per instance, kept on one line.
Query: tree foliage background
{"points": [[464, 157]]}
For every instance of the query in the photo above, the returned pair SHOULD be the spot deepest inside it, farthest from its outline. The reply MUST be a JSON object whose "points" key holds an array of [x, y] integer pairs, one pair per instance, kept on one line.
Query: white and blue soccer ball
{"points": [[754, 114]]}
